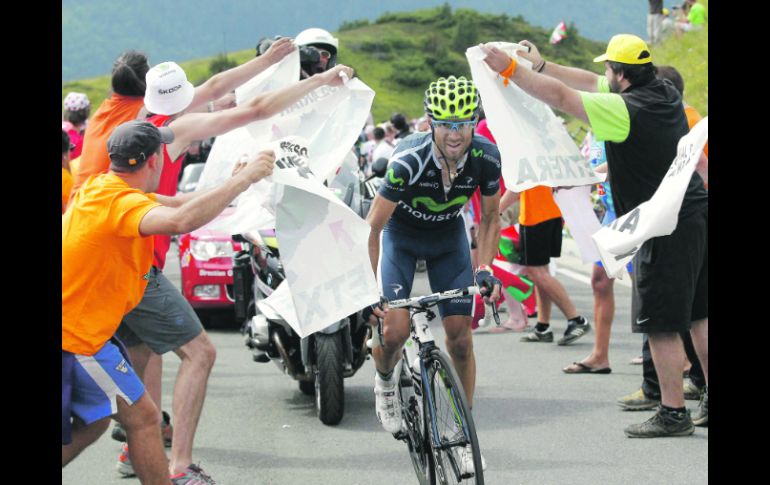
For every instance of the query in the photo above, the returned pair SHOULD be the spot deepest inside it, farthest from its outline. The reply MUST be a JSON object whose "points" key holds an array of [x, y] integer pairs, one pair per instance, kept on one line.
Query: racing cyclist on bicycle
{"points": [[416, 215]]}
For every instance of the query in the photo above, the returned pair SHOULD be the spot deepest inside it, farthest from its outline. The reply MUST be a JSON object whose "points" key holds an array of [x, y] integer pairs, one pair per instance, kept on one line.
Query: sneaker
{"points": [[388, 405], [638, 401], [574, 331], [124, 466], [661, 424], [192, 475], [691, 391], [535, 336], [166, 431], [466, 461], [702, 414]]}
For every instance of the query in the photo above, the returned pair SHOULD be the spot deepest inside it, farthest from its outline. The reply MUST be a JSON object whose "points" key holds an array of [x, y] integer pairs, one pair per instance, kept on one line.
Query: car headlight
{"points": [[205, 250]]}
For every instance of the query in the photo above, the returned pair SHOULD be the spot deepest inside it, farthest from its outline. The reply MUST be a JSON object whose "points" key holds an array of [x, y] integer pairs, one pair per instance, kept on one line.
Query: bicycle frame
{"points": [[422, 336]]}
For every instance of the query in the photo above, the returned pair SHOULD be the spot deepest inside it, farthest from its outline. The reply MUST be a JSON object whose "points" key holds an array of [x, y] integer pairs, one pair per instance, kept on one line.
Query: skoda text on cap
{"points": [[134, 142], [168, 90], [626, 49]]}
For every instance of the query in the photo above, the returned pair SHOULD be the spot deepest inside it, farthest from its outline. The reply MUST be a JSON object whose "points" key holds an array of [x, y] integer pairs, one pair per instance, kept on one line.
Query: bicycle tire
{"points": [[417, 430], [445, 400]]}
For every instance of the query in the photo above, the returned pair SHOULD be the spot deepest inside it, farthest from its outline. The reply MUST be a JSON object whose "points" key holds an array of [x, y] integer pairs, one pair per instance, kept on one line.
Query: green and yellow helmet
{"points": [[451, 99]]}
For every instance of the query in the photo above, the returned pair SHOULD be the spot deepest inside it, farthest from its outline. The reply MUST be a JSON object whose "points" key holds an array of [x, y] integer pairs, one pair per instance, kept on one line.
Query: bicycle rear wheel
{"points": [[452, 427]]}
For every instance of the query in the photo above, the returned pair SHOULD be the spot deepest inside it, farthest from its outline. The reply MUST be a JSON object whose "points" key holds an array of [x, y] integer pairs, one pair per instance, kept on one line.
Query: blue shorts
{"points": [[609, 216], [98, 380], [447, 257]]}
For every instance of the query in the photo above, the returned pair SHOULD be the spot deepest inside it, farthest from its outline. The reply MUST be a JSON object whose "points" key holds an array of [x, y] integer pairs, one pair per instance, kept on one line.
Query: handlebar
{"points": [[424, 302]]}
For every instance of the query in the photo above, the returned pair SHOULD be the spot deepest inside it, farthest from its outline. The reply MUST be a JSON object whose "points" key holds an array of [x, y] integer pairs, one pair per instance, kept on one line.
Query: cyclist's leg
{"points": [[396, 274], [450, 268]]}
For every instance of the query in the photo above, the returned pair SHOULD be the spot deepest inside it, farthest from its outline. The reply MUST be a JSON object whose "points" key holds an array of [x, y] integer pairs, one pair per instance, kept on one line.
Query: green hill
{"points": [[400, 53]]}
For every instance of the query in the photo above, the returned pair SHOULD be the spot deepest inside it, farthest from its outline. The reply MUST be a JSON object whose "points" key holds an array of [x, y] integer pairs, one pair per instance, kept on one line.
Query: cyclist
{"points": [[416, 215]]}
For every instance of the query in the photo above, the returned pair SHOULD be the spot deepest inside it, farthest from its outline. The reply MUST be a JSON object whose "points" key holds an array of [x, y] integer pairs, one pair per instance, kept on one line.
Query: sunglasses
{"points": [[454, 125], [326, 55]]}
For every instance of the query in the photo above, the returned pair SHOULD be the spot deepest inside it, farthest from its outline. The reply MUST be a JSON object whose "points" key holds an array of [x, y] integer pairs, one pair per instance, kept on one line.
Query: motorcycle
{"points": [[321, 361]]}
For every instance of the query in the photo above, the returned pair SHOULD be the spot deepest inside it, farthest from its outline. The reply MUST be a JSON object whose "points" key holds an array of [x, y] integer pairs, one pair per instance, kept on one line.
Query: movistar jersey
{"points": [[414, 181]]}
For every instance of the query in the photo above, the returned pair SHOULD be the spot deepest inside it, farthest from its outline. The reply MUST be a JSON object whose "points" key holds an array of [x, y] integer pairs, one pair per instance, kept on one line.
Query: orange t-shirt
{"points": [[537, 205], [105, 260], [66, 187], [94, 158]]}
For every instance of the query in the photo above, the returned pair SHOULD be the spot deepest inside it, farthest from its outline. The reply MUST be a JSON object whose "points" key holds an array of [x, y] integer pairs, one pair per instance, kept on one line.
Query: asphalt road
{"points": [[536, 425]]}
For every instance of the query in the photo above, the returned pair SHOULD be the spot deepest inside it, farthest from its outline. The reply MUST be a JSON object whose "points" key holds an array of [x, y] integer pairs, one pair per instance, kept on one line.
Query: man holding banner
{"points": [[641, 119]]}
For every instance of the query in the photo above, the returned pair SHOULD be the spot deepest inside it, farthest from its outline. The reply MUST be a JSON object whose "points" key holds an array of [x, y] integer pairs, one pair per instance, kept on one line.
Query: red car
{"points": [[206, 266]]}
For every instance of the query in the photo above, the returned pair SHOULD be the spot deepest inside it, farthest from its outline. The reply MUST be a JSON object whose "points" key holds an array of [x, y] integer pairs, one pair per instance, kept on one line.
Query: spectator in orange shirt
{"points": [[107, 259], [540, 233]]}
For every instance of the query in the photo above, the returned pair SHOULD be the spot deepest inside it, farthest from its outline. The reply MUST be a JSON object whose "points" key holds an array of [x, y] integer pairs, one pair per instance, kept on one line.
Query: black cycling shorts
{"points": [[671, 280]]}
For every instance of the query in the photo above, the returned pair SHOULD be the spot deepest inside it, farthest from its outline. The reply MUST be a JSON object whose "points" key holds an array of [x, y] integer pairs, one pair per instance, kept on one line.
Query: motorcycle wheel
{"points": [[329, 385], [307, 387]]}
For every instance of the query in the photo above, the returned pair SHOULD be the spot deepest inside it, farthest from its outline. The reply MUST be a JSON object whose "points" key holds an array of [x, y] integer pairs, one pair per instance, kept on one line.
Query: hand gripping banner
{"points": [[535, 148], [618, 242]]}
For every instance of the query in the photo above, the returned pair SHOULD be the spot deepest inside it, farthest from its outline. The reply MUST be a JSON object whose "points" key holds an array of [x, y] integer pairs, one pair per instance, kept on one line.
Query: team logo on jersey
{"points": [[468, 180], [396, 288], [477, 152], [434, 206], [431, 173], [393, 179], [147, 276]]}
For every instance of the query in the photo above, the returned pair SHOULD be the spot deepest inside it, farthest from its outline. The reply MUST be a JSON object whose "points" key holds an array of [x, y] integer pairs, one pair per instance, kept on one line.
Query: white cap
{"points": [[76, 101], [317, 36], [168, 90]]}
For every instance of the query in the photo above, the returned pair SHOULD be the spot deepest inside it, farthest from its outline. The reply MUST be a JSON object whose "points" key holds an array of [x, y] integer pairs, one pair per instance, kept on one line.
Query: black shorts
{"points": [[539, 243], [671, 278]]}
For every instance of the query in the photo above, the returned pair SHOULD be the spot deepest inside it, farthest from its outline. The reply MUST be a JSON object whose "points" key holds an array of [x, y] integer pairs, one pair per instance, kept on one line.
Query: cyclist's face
{"points": [[453, 140]]}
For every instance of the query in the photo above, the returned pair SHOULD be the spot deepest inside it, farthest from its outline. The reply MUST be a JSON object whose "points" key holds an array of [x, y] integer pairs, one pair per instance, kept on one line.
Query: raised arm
{"points": [[573, 77], [199, 126], [201, 209], [545, 88], [224, 82]]}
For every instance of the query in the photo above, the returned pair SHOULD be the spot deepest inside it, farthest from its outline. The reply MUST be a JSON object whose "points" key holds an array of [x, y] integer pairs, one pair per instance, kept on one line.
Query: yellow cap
{"points": [[666, 11], [626, 49]]}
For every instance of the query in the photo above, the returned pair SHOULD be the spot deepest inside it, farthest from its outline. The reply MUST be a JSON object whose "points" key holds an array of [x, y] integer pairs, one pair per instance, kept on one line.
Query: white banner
{"points": [[578, 213], [229, 147], [323, 244], [618, 242], [534, 145]]}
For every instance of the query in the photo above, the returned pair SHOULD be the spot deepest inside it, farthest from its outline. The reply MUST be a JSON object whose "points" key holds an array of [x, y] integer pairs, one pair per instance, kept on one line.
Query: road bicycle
{"points": [[438, 424]]}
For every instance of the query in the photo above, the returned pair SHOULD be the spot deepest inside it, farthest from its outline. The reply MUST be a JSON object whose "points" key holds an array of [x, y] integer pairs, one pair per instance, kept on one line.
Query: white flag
{"points": [[324, 247], [618, 242], [535, 148]]}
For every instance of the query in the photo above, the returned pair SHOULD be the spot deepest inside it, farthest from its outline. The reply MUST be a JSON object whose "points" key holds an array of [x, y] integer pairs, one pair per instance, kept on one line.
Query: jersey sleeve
{"points": [[128, 210], [608, 115], [396, 180], [490, 182]]}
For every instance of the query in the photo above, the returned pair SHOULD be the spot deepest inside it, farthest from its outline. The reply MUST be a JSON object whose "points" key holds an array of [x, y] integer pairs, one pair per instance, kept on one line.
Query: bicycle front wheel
{"points": [[450, 424]]}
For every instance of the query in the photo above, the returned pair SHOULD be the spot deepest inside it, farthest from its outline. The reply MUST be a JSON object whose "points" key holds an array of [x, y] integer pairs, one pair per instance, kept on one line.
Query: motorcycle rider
{"points": [[415, 215]]}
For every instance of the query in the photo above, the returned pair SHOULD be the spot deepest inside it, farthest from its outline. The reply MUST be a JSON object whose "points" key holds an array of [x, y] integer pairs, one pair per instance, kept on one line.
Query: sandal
{"points": [[581, 368]]}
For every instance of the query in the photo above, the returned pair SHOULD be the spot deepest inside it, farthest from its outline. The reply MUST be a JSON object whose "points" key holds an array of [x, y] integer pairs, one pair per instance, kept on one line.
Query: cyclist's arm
{"points": [[489, 228], [379, 214]]}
